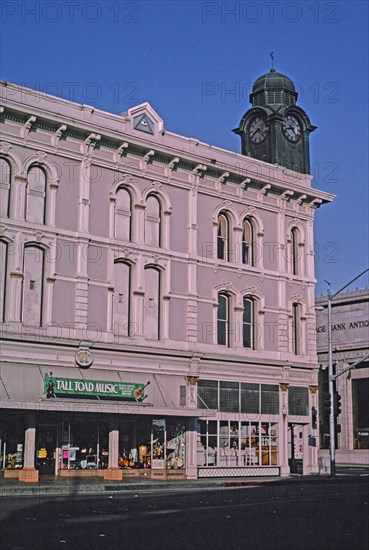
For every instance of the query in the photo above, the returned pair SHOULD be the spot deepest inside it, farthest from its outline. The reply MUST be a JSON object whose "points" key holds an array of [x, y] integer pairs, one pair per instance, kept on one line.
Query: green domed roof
{"points": [[272, 88], [273, 81]]}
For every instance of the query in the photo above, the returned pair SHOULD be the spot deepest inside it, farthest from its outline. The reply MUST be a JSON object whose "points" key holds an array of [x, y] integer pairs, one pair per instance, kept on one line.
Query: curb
{"points": [[36, 490]]}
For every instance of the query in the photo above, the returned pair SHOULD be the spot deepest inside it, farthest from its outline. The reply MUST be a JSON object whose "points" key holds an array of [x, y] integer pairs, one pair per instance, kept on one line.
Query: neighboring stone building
{"points": [[157, 293], [350, 342]]}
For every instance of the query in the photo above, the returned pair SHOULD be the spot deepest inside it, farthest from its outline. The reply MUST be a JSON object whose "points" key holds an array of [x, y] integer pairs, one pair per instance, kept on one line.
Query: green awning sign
{"points": [[93, 389]]}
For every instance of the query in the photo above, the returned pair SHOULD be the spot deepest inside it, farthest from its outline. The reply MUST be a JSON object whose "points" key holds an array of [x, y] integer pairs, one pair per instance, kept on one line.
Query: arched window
{"points": [[122, 299], [247, 242], [248, 324], [3, 273], [152, 303], [5, 177], [33, 285], [36, 195], [296, 329], [153, 221], [223, 319], [294, 251], [223, 237], [123, 215]]}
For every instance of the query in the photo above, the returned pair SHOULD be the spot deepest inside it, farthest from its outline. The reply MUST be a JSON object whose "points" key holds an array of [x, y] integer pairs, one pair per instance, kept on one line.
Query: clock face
{"points": [[258, 130], [84, 358], [291, 128]]}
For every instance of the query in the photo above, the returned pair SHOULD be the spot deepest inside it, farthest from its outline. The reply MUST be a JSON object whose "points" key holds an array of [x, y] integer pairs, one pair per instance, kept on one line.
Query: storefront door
{"points": [[295, 448]]}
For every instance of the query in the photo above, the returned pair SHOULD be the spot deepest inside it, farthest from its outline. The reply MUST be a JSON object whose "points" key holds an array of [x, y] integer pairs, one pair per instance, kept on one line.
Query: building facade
{"points": [[157, 299], [350, 343]]}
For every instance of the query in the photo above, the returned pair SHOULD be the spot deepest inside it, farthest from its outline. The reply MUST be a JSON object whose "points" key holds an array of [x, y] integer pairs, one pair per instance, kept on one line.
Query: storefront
{"points": [[250, 433], [68, 426], [74, 443], [115, 424]]}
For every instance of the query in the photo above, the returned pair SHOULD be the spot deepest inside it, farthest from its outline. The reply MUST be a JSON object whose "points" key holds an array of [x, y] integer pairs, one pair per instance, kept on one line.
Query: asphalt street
{"points": [[291, 516]]}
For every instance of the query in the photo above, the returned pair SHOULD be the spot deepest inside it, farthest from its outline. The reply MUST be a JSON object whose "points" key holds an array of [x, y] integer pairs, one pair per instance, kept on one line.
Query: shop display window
{"points": [[84, 444], [12, 430], [207, 443], [135, 444], [175, 445], [157, 444], [228, 443]]}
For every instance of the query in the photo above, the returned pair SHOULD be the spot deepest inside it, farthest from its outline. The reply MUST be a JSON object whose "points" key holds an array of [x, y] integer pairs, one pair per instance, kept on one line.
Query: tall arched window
{"points": [[223, 319], [3, 273], [5, 177], [248, 325], [294, 251], [122, 299], [296, 329], [152, 303], [36, 195], [223, 237], [247, 242], [33, 285], [153, 221], [123, 215]]}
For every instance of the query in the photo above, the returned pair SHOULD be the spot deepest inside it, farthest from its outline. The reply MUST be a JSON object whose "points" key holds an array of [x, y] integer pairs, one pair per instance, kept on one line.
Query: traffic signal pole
{"points": [[332, 435], [350, 367]]}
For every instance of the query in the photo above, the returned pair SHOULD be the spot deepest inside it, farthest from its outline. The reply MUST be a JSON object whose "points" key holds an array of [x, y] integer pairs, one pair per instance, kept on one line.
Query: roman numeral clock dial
{"points": [[258, 130], [291, 128]]}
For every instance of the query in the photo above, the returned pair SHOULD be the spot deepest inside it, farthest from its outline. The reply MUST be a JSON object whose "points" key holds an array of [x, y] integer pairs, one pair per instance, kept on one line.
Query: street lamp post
{"points": [[332, 377]]}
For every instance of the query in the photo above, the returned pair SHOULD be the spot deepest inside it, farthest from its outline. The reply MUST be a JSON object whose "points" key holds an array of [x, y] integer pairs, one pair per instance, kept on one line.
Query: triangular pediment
{"points": [[145, 119]]}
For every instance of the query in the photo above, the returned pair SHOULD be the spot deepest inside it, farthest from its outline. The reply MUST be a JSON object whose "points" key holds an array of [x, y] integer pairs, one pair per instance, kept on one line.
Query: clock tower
{"points": [[275, 129]]}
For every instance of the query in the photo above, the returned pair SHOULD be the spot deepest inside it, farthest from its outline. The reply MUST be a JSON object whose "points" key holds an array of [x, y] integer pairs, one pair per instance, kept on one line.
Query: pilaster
{"points": [[18, 198], [283, 434], [113, 473], [29, 474], [191, 449]]}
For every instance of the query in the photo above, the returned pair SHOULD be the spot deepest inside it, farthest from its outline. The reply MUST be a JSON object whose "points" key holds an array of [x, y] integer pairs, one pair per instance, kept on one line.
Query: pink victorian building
{"points": [[157, 293]]}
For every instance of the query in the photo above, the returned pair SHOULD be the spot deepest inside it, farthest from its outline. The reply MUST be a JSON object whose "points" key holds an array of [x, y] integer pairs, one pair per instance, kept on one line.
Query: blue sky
{"points": [[194, 62]]}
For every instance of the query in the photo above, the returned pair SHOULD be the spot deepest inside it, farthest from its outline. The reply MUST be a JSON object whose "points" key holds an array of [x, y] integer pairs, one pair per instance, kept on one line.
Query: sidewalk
{"points": [[54, 486]]}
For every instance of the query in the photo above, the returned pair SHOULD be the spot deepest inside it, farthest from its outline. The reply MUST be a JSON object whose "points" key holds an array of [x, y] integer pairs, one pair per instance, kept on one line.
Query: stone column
{"points": [[283, 429], [14, 305], [139, 223], [18, 198], [29, 474], [192, 389], [192, 221], [112, 205], [191, 449], [113, 473], [236, 252], [51, 203]]}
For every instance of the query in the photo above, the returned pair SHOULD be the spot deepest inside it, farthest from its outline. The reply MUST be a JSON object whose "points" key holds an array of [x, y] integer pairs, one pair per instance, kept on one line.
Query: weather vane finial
{"points": [[272, 58]]}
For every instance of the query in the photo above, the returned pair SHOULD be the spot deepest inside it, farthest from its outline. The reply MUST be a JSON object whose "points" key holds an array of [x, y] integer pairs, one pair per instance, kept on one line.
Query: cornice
{"points": [[261, 173], [45, 344]]}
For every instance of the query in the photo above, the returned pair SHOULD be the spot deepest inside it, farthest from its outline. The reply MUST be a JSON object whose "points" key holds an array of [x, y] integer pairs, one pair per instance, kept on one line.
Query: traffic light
{"points": [[314, 418], [337, 404], [326, 403]]}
